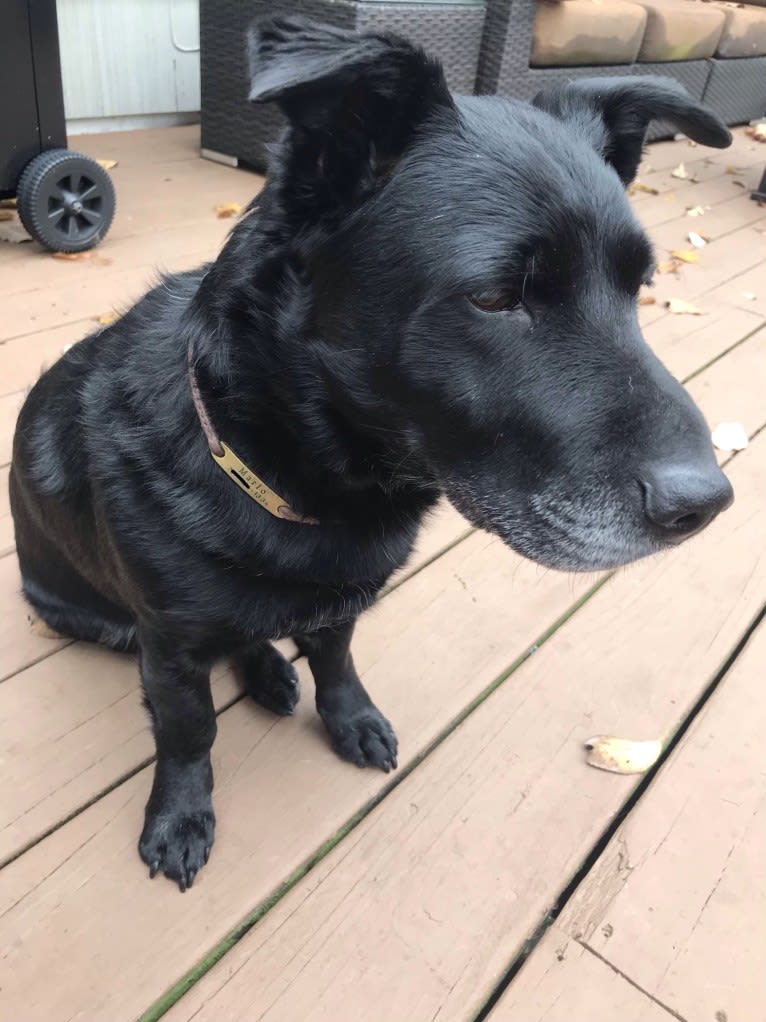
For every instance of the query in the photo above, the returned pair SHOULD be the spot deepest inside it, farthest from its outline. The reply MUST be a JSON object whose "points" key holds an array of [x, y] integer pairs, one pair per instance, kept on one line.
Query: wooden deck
{"points": [[494, 875]]}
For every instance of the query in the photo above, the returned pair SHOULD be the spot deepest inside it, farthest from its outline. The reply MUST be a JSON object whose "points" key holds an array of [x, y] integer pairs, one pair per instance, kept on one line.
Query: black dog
{"points": [[431, 295]]}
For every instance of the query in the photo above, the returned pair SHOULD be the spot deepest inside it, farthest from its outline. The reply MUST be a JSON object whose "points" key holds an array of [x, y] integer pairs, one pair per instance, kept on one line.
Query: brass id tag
{"points": [[252, 485]]}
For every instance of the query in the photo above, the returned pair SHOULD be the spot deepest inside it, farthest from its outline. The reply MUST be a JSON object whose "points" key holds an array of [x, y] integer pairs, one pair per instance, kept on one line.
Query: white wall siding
{"points": [[129, 58]]}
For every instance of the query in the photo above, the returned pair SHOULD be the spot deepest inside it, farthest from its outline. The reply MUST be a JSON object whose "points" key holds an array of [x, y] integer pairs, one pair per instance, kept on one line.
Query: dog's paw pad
{"points": [[366, 739], [178, 844]]}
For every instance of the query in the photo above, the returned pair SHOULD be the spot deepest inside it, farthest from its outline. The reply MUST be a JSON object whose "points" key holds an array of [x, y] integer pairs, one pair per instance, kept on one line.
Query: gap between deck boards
{"points": [[245, 925], [176, 992], [568, 892], [728, 654]]}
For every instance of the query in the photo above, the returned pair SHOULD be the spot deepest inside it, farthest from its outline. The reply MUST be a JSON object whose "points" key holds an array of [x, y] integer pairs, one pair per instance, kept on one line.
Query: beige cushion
{"points": [[680, 30], [584, 32], [744, 33]]}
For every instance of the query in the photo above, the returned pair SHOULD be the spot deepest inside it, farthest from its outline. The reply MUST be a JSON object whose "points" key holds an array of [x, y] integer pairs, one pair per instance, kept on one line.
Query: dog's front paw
{"points": [[177, 842], [365, 738], [270, 679]]}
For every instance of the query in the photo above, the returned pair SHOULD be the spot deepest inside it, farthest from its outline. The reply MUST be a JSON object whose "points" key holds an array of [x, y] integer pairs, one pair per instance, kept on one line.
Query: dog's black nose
{"points": [[680, 501]]}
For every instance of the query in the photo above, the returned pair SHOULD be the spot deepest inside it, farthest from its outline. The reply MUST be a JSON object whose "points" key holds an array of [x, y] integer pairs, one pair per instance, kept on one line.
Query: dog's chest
{"points": [[335, 585], [277, 609]]}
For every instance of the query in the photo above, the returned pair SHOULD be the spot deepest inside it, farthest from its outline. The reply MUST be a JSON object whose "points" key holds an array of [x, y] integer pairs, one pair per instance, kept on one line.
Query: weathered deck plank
{"points": [[19, 645], [6, 524], [9, 411], [563, 982], [42, 292], [419, 911], [432, 647], [700, 833], [23, 359], [720, 263]]}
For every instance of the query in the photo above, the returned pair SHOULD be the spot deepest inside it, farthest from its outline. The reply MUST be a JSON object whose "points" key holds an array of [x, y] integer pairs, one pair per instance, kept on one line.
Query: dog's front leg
{"points": [[179, 824], [359, 731]]}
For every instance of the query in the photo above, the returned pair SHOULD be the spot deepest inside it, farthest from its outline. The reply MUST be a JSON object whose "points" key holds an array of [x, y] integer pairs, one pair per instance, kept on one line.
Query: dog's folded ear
{"points": [[614, 113], [353, 102]]}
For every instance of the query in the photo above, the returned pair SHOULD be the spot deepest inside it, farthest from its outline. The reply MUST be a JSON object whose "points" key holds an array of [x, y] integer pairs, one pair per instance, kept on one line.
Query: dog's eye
{"points": [[497, 302]]}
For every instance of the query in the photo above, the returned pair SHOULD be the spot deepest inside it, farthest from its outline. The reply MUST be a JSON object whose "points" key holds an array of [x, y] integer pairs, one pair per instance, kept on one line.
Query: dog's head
{"points": [[469, 271]]}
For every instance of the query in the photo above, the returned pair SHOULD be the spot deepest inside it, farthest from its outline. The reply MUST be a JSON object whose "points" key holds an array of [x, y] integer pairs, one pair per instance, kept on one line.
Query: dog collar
{"points": [[234, 467]]}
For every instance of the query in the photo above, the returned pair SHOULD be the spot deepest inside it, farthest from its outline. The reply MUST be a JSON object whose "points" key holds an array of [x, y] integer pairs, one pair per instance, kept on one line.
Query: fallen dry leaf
{"points": [[680, 171], [757, 131], [72, 257], [102, 260], [7, 214], [8, 203], [695, 210], [697, 239], [739, 184], [685, 255], [107, 317], [668, 265], [732, 170], [729, 436], [107, 164], [681, 308], [621, 755], [227, 209], [647, 300], [639, 186], [750, 295]]}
